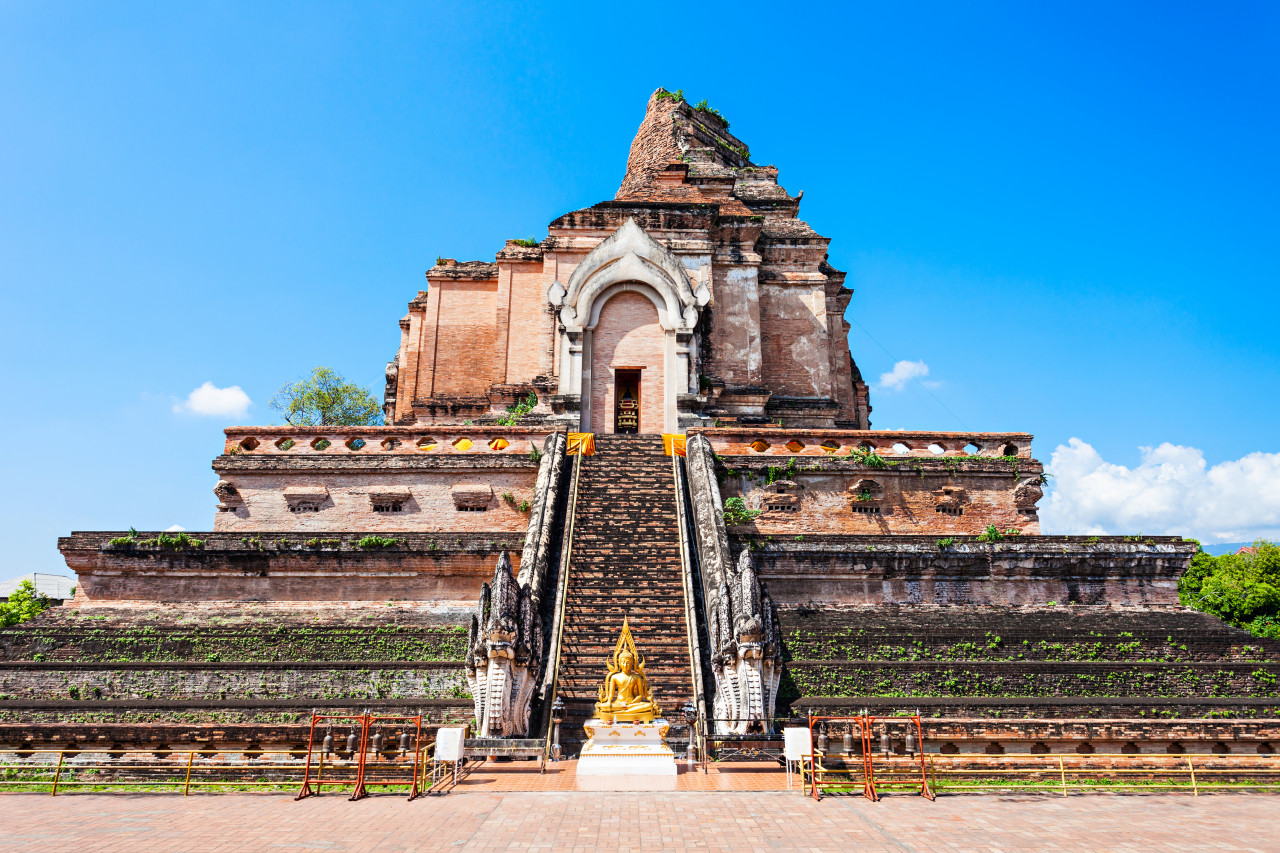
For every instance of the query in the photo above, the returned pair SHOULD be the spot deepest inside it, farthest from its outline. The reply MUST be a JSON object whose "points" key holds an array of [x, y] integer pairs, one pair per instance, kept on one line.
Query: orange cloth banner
{"points": [[582, 444], [673, 445]]}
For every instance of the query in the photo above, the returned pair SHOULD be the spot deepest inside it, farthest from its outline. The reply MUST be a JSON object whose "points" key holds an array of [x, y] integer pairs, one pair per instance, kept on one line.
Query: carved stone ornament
{"points": [[746, 652], [1027, 494], [226, 491], [503, 655]]}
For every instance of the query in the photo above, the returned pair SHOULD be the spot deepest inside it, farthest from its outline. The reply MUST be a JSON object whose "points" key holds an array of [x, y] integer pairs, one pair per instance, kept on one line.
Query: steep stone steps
{"points": [[625, 561]]}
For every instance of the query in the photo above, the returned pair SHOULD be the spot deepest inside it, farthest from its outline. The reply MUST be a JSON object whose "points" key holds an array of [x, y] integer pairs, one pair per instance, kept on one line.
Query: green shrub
{"points": [[1242, 589], [991, 534], [736, 512], [376, 543], [871, 459], [518, 411], [24, 603]]}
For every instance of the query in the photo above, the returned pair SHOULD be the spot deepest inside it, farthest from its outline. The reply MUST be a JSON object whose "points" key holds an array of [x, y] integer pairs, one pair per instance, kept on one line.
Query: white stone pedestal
{"points": [[626, 749]]}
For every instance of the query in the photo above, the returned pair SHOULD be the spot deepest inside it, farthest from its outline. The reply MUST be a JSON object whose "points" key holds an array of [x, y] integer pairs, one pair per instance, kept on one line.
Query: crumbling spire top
{"points": [[674, 138]]}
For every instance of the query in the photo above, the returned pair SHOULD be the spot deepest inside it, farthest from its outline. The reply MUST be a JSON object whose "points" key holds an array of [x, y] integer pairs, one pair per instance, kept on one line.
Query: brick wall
{"points": [[906, 501], [294, 680], [628, 335], [447, 569], [735, 339], [531, 335], [466, 358], [823, 570], [794, 340], [429, 505]]}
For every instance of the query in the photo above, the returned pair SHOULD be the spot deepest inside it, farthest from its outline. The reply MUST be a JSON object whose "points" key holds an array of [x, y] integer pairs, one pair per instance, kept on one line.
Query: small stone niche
{"points": [[866, 497], [780, 496], [951, 500], [470, 497], [305, 499], [389, 500]]}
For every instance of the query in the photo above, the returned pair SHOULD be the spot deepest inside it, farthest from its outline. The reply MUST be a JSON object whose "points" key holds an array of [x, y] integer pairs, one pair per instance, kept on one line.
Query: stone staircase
{"points": [[625, 562]]}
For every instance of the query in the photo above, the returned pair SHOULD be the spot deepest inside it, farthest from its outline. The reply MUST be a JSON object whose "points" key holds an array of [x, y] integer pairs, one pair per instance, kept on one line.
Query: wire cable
{"points": [[916, 378]]}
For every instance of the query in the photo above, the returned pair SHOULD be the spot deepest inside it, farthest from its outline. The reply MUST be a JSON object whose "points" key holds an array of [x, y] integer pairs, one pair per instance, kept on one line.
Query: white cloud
{"points": [[174, 528], [209, 399], [1171, 492], [902, 373]]}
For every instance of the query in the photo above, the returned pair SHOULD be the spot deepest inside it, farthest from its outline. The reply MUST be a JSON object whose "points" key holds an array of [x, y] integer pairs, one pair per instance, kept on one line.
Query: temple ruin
{"points": [[650, 415]]}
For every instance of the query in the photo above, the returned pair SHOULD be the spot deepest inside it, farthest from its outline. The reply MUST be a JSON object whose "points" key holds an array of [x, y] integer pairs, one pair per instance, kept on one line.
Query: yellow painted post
{"points": [[319, 772], [933, 775], [57, 773], [1194, 790], [186, 783], [1062, 771]]}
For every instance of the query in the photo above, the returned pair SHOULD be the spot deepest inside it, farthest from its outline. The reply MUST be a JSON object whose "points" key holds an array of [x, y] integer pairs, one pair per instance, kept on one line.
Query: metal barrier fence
{"points": [[190, 771], [1055, 774], [369, 740]]}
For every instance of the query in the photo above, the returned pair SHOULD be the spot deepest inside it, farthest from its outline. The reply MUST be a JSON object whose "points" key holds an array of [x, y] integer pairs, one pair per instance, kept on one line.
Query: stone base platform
{"points": [[626, 749]]}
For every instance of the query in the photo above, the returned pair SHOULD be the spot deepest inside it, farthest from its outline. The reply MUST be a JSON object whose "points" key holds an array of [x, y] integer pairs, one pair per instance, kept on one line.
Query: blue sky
{"points": [[1069, 214]]}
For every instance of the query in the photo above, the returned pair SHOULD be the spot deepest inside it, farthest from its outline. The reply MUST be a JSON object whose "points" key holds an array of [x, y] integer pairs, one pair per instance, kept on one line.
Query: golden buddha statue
{"points": [[625, 696]]}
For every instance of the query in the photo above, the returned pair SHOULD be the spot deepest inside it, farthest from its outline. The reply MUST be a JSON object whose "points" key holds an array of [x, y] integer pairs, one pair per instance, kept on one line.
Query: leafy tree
{"points": [[24, 603], [325, 398], [1243, 589]]}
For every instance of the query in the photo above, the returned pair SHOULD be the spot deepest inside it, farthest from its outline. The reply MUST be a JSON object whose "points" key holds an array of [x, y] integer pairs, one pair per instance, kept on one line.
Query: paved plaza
{"points": [[676, 821]]}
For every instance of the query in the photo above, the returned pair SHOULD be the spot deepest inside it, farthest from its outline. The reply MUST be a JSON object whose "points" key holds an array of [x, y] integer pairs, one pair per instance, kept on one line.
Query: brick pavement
{"points": [[632, 823], [562, 776]]}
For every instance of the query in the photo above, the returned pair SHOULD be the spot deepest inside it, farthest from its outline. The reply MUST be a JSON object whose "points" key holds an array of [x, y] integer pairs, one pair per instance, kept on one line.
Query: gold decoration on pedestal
{"points": [[625, 696]]}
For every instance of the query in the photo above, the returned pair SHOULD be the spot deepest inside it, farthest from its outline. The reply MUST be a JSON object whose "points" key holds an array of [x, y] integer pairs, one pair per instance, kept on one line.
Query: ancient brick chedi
{"points": [[771, 552], [697, 289]]}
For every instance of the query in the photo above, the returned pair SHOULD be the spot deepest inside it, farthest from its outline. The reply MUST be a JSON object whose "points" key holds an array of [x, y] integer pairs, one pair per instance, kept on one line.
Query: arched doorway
{"points": [[628, 371], [628, 261]]}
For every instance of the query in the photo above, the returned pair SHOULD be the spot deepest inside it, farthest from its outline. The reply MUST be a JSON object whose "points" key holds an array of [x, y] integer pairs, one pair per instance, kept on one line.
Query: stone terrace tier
{"points": [[375, 479], [1028, 657], [950, 732], [210, 724], [830, 570], [238, 632], [870, 482], [225, 673], [446, 568]]}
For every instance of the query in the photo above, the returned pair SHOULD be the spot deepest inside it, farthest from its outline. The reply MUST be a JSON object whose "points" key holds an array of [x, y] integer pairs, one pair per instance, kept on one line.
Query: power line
{"points": [[894, 358]]}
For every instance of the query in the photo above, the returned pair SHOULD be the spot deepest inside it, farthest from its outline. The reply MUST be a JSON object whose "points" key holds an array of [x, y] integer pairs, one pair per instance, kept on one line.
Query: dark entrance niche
{"points": [[626, 400]]}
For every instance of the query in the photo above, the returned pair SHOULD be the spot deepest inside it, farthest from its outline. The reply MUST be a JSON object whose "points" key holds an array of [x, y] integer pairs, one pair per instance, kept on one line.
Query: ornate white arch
{"points": [[629, 254], [628, 260]]}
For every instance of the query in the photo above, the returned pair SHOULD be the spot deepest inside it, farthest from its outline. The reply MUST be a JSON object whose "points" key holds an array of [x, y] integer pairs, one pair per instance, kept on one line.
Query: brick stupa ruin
{"points": [[345, 563]]}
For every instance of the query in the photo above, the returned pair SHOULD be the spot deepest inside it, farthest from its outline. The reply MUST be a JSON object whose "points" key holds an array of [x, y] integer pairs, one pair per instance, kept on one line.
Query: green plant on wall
{"points": [[514, 413], [376, 543], [991, 534], [736, 512], [868, 457]]}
